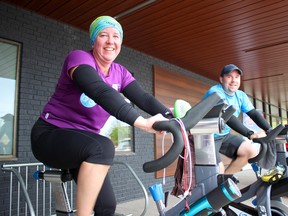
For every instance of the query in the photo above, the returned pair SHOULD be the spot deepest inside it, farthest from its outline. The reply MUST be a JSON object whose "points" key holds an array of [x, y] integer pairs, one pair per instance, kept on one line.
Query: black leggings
{"points": [[68, 148]]}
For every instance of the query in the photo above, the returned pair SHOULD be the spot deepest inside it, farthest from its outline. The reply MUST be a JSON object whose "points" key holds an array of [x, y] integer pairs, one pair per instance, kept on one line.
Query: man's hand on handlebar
{"points": [[259, 134], [264, 142]]}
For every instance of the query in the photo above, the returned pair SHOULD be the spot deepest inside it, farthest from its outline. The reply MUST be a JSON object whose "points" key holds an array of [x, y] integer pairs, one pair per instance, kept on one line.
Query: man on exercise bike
{"points": [[234, 146]]}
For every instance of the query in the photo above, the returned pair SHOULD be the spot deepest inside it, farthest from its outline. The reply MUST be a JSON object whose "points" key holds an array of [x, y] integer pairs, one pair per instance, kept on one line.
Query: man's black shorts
{"points": [[227, 145]]}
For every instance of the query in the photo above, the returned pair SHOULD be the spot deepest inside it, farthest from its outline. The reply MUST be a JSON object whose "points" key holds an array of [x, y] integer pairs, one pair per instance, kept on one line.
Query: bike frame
{"points": [[207, 196], [206, 180], [267, 195]]}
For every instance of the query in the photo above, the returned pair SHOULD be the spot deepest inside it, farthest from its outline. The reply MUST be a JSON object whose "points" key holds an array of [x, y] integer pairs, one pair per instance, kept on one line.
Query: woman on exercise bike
{"points": [[68, 133]]}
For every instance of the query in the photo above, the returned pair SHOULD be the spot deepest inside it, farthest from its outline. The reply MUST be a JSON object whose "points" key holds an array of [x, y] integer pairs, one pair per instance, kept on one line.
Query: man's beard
{"points": [[226, 90]]}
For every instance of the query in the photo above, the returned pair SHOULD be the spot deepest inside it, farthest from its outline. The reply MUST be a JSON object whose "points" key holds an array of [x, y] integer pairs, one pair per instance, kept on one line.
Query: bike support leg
{"points": [[61, 199], [264, 204]]}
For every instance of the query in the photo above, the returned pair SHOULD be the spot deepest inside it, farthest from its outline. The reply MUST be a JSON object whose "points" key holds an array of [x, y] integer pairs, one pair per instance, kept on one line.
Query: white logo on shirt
{"points": [[116, 87], [86, 101]]}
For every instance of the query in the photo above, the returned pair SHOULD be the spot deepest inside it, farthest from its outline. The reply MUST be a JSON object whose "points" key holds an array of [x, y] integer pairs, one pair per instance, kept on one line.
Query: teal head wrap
{"points": [[101, 23]]}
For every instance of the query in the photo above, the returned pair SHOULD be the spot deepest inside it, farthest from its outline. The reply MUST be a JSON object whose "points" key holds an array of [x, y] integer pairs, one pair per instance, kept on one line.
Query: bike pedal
{"points": [[273, 175]]}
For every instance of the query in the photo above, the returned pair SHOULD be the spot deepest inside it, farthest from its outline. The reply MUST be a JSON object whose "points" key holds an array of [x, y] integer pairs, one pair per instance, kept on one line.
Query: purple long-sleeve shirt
{"points": [[69, 107]]}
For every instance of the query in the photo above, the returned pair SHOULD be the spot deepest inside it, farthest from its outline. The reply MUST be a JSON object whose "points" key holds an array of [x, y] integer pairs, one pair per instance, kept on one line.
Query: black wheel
{"points": [[278, 212], [278, 208]]}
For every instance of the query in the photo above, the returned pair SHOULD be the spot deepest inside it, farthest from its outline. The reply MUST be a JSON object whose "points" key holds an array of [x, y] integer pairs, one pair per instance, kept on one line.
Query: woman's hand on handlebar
{"points": [[259, 134], [146, 124]]}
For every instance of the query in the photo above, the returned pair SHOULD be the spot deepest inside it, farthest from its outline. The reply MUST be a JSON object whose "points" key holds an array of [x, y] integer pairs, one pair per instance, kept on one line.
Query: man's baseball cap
{"points": [[230, 67]]}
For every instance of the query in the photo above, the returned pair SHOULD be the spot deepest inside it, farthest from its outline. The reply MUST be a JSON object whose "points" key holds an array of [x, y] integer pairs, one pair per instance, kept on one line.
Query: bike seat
{"points": [[53, 175]]}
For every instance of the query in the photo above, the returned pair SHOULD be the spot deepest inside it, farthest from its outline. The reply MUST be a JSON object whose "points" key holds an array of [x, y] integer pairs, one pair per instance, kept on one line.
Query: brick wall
{"points": [[45, 45]]}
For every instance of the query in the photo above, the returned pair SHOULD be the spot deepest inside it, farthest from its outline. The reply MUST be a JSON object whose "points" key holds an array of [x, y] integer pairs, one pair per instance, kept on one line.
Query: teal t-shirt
{"points": [[239, 101]]}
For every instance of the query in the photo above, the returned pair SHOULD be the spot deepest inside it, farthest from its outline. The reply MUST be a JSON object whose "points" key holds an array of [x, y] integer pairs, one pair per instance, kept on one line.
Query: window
{"points": [[9, 73], [273, 114], [120, 133], [284, 116], [259, 104]]}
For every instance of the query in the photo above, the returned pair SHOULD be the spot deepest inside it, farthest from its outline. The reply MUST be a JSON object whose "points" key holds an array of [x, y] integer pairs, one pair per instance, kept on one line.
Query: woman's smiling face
{"points": [[107, 45]]}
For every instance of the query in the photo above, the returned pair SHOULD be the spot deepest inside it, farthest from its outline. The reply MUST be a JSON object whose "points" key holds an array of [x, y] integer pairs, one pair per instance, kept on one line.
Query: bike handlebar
{"points": [[264, 141], [192, 117], [227, 113]]}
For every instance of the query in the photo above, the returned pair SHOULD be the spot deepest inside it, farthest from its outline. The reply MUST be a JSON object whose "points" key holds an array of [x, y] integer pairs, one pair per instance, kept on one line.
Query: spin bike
{"points": [[227, 191], [207, 197], [270, 187], [212, 191]]}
